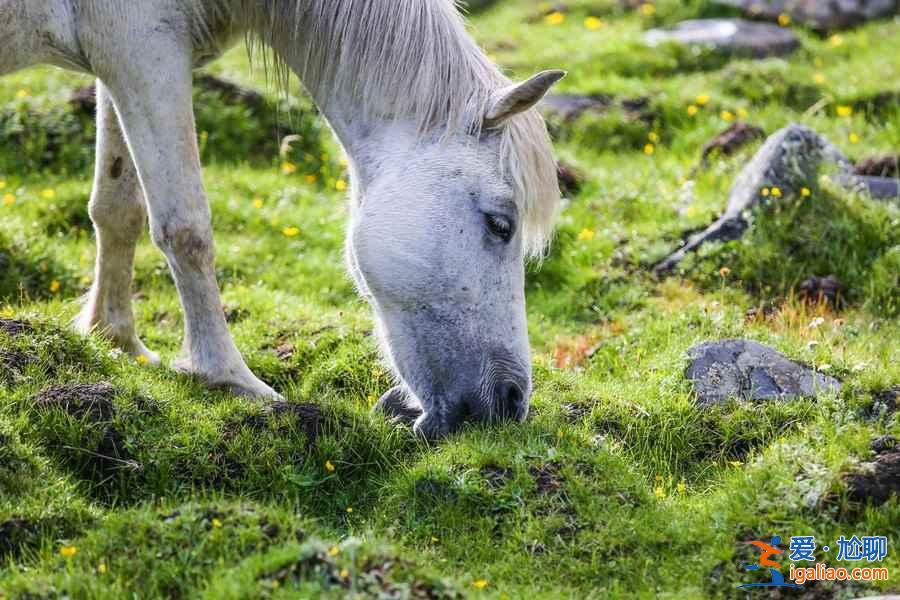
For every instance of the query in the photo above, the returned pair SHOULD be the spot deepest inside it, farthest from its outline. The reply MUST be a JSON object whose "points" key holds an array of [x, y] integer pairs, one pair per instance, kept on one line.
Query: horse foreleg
{"points": [[151, 89], [119, 216]]}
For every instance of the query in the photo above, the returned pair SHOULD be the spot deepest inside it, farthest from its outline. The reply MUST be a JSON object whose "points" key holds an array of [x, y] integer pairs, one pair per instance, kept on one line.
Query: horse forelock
{"points": [[408, 59]]}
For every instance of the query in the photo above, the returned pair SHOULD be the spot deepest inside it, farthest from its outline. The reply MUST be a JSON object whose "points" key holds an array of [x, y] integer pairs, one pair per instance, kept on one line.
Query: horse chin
{"points": [[431, 426], [400, 407]]}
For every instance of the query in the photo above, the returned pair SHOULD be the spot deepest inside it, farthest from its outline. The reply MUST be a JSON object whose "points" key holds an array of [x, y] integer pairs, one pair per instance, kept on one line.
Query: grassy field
{"points": [[616, 486]]}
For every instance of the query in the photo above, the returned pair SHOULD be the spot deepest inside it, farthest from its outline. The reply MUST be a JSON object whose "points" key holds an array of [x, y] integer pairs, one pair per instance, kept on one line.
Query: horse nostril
{"points": [[508, 399]]}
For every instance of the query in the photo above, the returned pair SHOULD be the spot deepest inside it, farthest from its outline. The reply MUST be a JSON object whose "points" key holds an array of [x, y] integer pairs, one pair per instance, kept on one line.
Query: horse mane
{"points": [[409, 59]]}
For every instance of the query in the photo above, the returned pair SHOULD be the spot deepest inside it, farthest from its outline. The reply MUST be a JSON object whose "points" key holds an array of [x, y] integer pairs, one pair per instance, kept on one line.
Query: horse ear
{"points": [[519, 97]]}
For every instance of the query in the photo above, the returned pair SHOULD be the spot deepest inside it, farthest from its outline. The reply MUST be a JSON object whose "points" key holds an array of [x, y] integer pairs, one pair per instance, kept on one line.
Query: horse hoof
{"points": [[245, 385], [398, 407]]}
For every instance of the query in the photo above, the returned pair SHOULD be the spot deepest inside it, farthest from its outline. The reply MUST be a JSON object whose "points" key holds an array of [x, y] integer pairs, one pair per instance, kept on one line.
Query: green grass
{"points": [[617, 486]]}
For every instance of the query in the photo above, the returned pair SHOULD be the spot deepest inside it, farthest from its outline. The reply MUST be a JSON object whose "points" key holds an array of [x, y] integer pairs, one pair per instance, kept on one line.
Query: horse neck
{"points": [[364, 135], [441, 81]]}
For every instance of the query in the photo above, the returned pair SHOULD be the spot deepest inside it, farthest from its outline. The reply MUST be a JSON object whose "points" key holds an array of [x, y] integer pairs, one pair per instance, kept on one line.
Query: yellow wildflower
{"points": [[334, 551], [819, 78], [585, 235], [692, 109], [836, 40], [309, 178], [48, 194], [142, 360], [216, 523], [681, 487], [727, 115], [55, 286], [23, 93], [257, 203], [702, 99], [329, 467], [68, 551], [659, 492], [805, 192], [647, 9], [370, 399], [288, 168], [765, 191], [344, 573], [844, 111], [653, 137], [340, 185], [480, 583], [101, 568], [593, 23], [554, 18], [8, 200], [649, 149], [349, 509], [290, 232], [776, 192], [854, 138], [784, 20]]}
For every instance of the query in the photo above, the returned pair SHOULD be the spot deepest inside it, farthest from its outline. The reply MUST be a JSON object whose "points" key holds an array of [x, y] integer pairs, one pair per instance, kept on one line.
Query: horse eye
{"points": [[499, 226]]}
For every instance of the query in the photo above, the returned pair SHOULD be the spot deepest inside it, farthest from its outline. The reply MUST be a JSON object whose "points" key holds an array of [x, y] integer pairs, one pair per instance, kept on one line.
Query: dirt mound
{"points": [[15, 534], [15, 327], [822, 289], [496, 475], [876, 481], [887, 165], [13, 364], [307, 415], [547, 478], [91, 400], [731, 140]]}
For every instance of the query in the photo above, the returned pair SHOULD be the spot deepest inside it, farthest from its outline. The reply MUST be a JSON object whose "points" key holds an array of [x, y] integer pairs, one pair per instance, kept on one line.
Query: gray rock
{"points": [[789, 160], [877, 188], [736, 37], [567, 107], [571, 106], [818, 14], [750, 371]]}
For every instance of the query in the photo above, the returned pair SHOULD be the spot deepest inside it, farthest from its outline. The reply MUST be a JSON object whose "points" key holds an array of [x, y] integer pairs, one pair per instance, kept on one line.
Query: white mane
{"points": [[408, 59]]}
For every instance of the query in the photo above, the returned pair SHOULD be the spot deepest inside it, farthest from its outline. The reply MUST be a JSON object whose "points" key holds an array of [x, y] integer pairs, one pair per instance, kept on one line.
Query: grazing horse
{"points": [[453, 183]]}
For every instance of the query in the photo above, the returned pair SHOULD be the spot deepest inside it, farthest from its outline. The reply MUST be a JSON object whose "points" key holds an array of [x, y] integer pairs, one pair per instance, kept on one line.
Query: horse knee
{"points": [[121, 212], [186, 242]]}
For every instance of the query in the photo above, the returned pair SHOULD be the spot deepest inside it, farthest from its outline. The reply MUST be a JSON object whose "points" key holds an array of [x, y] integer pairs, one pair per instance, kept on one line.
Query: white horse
{"points": [[453, 180]]}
